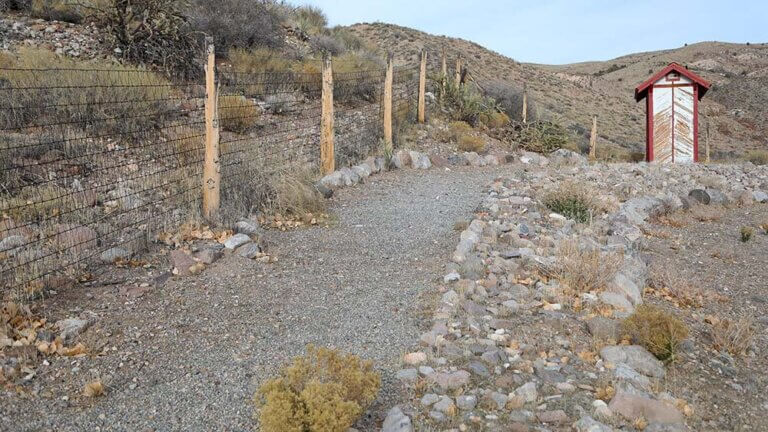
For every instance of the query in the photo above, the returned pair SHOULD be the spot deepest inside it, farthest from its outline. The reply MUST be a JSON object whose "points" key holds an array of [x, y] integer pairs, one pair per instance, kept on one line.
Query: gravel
{"points": [[190, 355]]}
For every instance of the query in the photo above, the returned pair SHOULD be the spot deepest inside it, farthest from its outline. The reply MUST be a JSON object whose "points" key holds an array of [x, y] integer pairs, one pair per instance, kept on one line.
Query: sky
{"points": [[565, 31]]}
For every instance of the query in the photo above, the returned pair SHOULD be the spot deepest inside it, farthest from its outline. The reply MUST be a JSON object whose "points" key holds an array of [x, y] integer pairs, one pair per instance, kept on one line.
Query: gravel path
{"points": [[190, 355]]}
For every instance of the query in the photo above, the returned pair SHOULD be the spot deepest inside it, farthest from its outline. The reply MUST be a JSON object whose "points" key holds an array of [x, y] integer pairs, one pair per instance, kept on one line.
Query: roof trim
{"points": [[642, 90]]}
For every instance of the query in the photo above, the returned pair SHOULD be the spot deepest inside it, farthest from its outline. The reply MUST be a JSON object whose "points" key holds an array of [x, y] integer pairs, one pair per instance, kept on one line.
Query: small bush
{"points": [[238, 23], [455, 130], [296, 194], [584, 270], [735, 337], [510, 100], [494, 120], [329, 44], [471, 143], [544, 137], [672, 286], [346, 37], [310, 19], [758, 157], [746, 234], [658, 331], [166, 40], [237, 113], [463, 102], [573, 201], [322, 391], [57, 10]]}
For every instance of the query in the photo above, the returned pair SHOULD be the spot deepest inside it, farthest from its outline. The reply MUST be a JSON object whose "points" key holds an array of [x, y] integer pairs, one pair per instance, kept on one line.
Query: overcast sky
{"points": [[565, 31]]}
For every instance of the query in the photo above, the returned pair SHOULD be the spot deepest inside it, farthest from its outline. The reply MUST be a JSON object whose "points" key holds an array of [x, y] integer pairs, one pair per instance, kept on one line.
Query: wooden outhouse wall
{"points": [[674, 120]]}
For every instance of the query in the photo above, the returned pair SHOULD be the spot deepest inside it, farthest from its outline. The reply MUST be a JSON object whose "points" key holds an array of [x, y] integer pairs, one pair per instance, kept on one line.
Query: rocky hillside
{"points": [[735, 108]]}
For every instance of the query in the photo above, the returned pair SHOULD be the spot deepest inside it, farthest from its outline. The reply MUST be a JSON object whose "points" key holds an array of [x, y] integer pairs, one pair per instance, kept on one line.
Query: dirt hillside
{"points": [[735, 108]]}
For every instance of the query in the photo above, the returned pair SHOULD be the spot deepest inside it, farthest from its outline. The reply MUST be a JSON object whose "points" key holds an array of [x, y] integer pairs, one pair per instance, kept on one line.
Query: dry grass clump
{"points": [[674, 287], [733, 336], [295, 194], [471, 143], [659, 332], [237, 114], [323, 391], [573, 201], [758, 157], [494, 120], [93, 389], [456, 129], [584, 270], [545, 137], [746, 234]]}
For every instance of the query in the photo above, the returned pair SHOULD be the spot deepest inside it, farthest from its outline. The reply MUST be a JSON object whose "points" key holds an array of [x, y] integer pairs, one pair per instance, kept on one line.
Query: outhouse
{"points": [[672, 114]]}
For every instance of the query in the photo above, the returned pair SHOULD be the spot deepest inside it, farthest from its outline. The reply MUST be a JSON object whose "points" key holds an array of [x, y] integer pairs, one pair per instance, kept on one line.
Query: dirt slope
{"points": [[735, 108]]}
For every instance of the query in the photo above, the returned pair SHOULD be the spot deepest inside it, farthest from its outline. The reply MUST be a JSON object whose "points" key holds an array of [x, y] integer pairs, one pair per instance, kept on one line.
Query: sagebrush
{"points": [[325, 390], [582, 269], [660, 332], [573, 201]]}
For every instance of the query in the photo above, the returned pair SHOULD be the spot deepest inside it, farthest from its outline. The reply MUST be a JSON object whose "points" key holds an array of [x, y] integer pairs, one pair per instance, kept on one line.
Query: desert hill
{"points": [[735, 109]]}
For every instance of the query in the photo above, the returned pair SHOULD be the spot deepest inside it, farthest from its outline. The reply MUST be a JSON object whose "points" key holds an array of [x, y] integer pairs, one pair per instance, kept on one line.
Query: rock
{"points": [[497, 400], [760, 196], [527, 392], [451, 380], [474, 159], [415, 358], [249, 250], [567, 157], [73, 238], [632, 406], [419, 160], [451, 277], [479, 369], [588, 424], [236, 241], [491, 160], [636, 357], [445, 405], [407, 375], [396, 421], [637, 210], [472, 268], [553, 417], [208, 256], [451, 297], [708, 196], [624, 372], [349, 177], [621, 284], [618, 301], [113, 254], [466, 402], [429, 399], [362, 170], [425, 370], [70, 328], [182, 262], [604, 328], [247, 227], [12, 242], [332, 180], [438, 416], [401, 159]]}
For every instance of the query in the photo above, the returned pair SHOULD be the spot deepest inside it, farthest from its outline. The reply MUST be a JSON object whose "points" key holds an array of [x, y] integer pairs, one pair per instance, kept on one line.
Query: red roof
{"points": [[642, 90]]}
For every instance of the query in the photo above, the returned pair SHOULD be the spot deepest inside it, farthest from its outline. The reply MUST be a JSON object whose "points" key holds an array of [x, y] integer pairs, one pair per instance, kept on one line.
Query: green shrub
{"points": [[758, 157], [322, 391], [494, 120], [746, 234], [572, 201], [510, 99], [658, 331], [310, 19], [237, 113], [544, 137], [456, 130], [166, 40], [471, 143], [58, 10], [239, 24], [463, 102]]}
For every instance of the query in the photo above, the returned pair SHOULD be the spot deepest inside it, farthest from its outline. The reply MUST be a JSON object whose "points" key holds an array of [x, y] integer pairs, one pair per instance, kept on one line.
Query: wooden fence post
{"points": [[422, 86], [388, 78], [593, 140], [458, 72], [525, 103], [327, 156], [212, 167]]}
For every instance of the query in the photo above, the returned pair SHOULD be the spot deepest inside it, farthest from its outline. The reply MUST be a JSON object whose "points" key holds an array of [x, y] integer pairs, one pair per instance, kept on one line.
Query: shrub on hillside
{"points": [[165, 41], [329, 44], [353, 83], [239, 23], [758, 157], [237, 113], [544, 137], [310, 19], [510, 99], [494, 120], [572, 201], [15, 5], [471, 143], [584, 270], [76, 95], [350, 41], [659, 332], [732, 336], [323, 391], [58, 10]]}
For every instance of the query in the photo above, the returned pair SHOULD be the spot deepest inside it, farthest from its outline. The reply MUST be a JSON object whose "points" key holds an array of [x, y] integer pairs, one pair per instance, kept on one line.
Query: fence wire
{"points": [[94, 163]]}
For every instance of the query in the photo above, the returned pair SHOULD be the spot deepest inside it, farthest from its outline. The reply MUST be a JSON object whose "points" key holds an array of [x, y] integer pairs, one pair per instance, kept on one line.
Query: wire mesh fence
{"points": [[94, 163]]}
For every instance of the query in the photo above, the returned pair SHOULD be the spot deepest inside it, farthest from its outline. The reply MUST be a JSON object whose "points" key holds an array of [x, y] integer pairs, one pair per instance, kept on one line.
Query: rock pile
{"points": [[512, 346]]}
